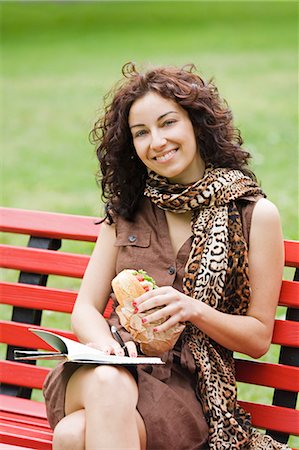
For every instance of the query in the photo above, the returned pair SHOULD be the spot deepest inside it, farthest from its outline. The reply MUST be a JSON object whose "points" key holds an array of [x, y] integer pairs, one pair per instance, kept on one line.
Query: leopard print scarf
{"points": [[217, 274]]}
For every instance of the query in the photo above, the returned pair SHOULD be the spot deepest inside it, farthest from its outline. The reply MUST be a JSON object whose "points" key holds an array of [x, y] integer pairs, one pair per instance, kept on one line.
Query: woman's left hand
{"points": [[176, 307]]}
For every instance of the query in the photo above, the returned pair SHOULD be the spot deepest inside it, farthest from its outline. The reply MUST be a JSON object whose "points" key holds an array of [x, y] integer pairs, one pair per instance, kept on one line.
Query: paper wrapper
{"points": [[151, 343]]}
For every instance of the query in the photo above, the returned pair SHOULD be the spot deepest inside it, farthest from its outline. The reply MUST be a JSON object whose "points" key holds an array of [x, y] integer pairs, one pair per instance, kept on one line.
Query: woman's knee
{"points": [[114, 379], [100, 386], [115, 382], [69, 433]]}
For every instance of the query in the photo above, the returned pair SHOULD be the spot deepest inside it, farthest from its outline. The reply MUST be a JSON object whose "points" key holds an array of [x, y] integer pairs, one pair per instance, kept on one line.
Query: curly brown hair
{"points": [[121, 173]]}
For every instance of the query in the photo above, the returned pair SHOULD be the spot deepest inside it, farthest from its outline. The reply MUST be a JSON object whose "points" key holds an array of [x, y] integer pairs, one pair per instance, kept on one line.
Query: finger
{"points": [[102, 348], [172, 321], [132, 350], [107, 349], [154, 302], [113, 349], [117, 349], [162, 313], [150, 294]]}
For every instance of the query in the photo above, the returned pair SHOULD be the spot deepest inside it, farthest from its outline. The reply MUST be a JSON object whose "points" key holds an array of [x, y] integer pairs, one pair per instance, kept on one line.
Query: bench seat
{"points": [[34, 302]]}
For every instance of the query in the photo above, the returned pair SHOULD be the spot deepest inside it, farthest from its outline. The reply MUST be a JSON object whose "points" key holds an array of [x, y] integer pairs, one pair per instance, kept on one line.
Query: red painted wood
{"points": [[24, 419], [266, 374], [41, 297], [52, 299], [13, 333], [82, 228], [284, 420], [40, 432], [21, 436], [22, 406], [16, 333], [291, 249], [12, 447], [48, 224], [37, 297], [43, 261], [22, 374], [286, 332], [289, 294]]}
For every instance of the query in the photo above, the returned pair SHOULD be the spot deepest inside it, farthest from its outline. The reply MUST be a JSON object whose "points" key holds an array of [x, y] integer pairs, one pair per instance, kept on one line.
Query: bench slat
{"points": [[16, 435], [258, 373], [289, 294], [51, 225], [24, 419], [291, 249], [17, 333], [252, 372], [286, 332], [12, 447], [23, 406], [21, 374], [34, 260], [28, 428], [41, 297], [37, 297], [284, 420], [278, 376]]}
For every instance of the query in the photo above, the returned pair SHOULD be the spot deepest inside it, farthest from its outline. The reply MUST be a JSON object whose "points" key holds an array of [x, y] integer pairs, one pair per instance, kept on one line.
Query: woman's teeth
{"points": [[166, 156]]}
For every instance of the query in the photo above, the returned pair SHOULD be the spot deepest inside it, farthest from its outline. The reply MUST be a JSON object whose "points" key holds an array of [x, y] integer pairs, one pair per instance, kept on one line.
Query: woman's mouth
{"points": [[165, 156]]}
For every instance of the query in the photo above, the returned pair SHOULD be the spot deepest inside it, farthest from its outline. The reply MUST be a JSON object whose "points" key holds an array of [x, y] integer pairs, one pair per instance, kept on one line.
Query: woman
{"points": [[182, 205]]}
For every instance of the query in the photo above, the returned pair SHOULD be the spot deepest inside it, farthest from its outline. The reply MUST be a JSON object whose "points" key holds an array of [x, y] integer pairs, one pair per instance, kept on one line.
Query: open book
{"points": [[70, 350]]}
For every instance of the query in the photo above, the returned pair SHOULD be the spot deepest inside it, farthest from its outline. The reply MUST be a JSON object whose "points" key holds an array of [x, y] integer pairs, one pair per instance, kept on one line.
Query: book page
{"points": [[64, 345], [115, 360], [77, 352]]}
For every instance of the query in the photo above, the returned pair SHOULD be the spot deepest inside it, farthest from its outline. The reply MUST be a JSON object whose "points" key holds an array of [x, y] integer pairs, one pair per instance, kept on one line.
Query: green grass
{"points": [[59, 59]]}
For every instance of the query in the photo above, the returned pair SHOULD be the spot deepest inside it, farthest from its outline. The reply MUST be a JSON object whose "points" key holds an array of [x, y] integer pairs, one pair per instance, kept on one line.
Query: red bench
{"points": [[23, 420]]}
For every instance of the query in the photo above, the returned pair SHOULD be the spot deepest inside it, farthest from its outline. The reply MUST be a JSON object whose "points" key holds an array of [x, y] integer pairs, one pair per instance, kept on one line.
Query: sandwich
{"points": [[127, 286]]}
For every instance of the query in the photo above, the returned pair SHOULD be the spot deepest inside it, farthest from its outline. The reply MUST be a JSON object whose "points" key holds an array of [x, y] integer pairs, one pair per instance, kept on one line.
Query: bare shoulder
{"points": [[265, 231], [265, 214], [107, 231]]}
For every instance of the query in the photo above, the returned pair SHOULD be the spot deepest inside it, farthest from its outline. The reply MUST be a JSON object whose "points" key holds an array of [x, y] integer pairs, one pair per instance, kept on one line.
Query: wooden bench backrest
{"points": [[42, 258]]}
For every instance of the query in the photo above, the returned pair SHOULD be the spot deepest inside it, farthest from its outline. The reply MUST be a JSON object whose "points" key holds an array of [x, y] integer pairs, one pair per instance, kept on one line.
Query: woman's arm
{"points": [[87, 321], [250, 334]]}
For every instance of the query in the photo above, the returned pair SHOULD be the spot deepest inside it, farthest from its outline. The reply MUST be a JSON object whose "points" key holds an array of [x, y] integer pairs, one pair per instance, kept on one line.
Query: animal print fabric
{"points": [[216, 273]]}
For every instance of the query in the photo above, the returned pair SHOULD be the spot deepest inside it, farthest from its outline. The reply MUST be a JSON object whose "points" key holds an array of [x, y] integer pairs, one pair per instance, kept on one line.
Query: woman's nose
{"points": [[158, 141]]}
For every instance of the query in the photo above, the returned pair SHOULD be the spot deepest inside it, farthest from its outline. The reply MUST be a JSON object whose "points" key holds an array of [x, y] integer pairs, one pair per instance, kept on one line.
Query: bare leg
{"points": [[109, 396], [69, 433]]}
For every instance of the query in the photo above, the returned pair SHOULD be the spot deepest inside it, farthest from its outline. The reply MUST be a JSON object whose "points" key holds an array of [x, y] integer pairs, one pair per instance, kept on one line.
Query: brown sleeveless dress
{"points": [[167, 402]]}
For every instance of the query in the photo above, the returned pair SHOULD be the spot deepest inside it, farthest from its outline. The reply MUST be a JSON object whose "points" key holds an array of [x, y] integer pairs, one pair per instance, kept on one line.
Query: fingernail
{"points": [[136, 310], [143, 320], [134, 303], [155, 329]]}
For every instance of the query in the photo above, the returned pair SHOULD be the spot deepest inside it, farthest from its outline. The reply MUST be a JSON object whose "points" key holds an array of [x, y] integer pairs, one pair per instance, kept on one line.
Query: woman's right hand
{"points": [[112, 347]]}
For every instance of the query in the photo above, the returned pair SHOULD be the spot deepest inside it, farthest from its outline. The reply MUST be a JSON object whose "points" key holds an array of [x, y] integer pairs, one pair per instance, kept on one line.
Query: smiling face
{"points": [[164, 139]]}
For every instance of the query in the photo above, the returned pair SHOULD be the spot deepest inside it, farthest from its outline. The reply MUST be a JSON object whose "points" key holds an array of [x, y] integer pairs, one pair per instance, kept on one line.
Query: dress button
{"points": [[132, 238], [171, 270]]}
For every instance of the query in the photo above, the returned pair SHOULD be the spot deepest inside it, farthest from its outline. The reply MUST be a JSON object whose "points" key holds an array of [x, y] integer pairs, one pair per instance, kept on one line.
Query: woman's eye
{"points": [[140, 133], [168, 122]]}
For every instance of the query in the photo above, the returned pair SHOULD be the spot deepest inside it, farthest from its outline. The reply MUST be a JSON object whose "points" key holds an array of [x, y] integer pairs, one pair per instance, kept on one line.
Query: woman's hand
{"points": [[176, 307], [112, 347]]}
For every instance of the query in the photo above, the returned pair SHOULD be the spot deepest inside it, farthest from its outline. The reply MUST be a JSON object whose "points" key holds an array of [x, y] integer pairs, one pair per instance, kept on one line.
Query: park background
{"points": [[60, 58]]}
